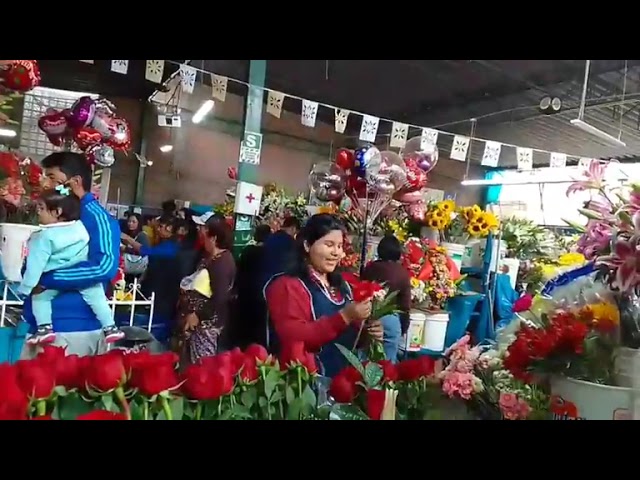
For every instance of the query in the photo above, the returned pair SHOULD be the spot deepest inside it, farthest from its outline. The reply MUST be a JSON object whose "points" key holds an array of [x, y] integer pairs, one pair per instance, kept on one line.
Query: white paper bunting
{"points": [[274, 103], [219, 87], [525, 158], [154, 70], [309, 113], [87, 61], [399, 132], [584, 162], [459, 148], [557, 160], [428, 138], [187, 78], [491, 155], [369, 128], [120, 66], [341, 119]]}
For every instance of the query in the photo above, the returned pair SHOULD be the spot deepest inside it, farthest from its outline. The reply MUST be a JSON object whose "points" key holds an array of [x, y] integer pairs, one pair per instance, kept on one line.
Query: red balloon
{"points": [[416, 177], [356, 186], [120, 134], [87, 137], [21, 76], [345, 159]]}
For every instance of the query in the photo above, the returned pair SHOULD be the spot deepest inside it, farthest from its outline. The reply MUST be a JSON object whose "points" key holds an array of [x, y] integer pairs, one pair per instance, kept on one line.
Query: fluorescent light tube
{"points": [[205, 108], [166, 148], [5, 132], [596, 132]]}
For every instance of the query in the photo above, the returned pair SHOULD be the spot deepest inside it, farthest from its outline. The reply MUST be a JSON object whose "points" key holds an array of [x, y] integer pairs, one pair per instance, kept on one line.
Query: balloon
{"points": [[101, 155], [53, 122], [328, 181], [345, 159], [232, 173], [21, 75], [416, 178], [120, 138], [409, 197], [56, 140], [356, 186], [391, 176], [367, 160], [425, 160], [87, 137], [345, 204], [81, 113]]}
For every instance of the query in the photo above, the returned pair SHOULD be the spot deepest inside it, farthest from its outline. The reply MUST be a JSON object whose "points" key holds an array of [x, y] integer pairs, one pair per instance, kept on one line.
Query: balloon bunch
{"points": [[92, 126], [19, 75]]}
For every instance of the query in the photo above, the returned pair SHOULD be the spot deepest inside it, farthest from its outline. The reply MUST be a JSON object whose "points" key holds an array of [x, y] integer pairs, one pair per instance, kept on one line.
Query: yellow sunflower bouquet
{"points": [[459, 223]]}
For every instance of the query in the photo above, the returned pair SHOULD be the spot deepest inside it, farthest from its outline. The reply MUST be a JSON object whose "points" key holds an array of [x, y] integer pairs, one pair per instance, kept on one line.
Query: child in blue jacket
{"points": [[62, 241]]}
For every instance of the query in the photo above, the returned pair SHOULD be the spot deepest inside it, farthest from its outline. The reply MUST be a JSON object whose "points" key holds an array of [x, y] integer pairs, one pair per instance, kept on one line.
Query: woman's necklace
{"points": [[329, 291]]}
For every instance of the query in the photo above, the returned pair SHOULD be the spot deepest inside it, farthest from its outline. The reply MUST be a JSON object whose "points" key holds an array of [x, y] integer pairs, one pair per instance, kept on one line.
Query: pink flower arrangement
{"points": [[458, 379], [512, 407]]}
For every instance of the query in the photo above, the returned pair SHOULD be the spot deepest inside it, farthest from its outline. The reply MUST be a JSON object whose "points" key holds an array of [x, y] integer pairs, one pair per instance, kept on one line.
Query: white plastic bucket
{"points": [[472, 256], [13, 248], [435, 331], [627, 367], [415, 333], [455, 251], [578, 400], [498, 252]]}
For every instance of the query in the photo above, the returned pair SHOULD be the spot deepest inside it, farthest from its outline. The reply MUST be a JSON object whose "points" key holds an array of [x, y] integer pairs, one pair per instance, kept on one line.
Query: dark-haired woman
{"points": [[205, 297], [387, 270], [312, 303], [134, 263]]}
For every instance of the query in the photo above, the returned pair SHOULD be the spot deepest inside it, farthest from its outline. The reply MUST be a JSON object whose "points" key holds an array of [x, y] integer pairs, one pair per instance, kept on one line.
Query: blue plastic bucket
{"points": [[12, 341], [460, 309]]}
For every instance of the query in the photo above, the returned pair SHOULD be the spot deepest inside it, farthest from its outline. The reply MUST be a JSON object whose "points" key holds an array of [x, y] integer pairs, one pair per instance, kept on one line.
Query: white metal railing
{"points": [[132, 294]]}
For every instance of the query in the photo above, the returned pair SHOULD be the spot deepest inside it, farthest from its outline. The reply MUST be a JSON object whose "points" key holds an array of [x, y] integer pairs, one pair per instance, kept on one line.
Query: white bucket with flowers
{"points": [[13, 248], [579, 400]]}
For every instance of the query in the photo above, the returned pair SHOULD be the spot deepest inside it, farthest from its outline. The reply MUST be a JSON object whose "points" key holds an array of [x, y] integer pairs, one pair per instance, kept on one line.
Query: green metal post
{"points": [[252, 124]]}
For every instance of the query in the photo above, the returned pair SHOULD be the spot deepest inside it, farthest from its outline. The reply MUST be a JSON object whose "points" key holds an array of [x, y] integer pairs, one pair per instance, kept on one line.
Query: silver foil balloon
{"points": [[328, 181], [101, 155], [391, 175], [425, 156]]}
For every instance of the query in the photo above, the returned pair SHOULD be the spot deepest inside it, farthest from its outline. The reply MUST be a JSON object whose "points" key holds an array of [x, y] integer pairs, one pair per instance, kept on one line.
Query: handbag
{"points": [[135, 264]]}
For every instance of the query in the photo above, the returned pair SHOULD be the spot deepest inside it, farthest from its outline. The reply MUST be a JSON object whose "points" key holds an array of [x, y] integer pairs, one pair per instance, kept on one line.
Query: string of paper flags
{"points": [[369, 127]]}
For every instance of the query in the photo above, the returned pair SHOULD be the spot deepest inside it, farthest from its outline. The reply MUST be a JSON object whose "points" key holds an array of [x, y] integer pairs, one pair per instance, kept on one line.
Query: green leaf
{"points": [[71, 406], [249, 397], [277, 396], [290, 394], [271, 382], [309, 397], [294, 409], [348, 412], [351, 358], [372, 375], [177, 408], [108, 403], [60, 391]]}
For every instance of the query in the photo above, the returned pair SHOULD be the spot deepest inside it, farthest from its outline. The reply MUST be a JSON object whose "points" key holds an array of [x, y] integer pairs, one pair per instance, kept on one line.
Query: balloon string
{"points": [[363, 251]]}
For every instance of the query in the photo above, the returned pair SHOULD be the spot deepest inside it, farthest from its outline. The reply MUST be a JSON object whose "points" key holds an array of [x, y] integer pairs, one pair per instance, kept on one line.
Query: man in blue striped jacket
{"points": [[75, 325]]}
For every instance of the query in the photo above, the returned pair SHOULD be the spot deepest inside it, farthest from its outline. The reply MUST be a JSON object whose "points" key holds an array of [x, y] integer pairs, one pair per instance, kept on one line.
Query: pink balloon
{"points": [[53, 123], [417, 211], [82, 113], [409, 197]]}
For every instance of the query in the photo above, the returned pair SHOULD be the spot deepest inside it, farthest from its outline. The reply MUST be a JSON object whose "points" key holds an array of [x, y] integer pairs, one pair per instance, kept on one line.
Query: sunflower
{"points": [[603, 314], [447, 206], [469, 213]]}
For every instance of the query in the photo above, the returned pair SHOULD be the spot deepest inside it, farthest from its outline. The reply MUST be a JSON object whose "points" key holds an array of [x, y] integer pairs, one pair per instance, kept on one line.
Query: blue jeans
{"points": [[94, 296], [392, 336]]}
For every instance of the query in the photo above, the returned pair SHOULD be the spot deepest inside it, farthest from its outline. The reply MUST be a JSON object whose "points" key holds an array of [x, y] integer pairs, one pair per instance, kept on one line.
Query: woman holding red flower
{"points": [[312, 304]]}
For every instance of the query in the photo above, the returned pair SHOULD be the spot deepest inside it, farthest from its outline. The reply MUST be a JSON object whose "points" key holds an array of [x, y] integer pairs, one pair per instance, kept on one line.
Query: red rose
{"points": [[70, 371], [36, 379], [237, 359], [258, 352], [364, 290], [162, 378], [102, 415], [310, 364], [106, 372], [293, 353], [51, 355], [342, 389], [416, 368], [249, 370], [199, 384], [523, 304], [352, 374], [389, 371], [13, 401], [375, 404]]}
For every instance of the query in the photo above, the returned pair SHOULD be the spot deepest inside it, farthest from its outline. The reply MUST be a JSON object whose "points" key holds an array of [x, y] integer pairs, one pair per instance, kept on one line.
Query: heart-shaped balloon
{"points": [[87, 137], [120, 138], [21, 76], [345, 159], [101, 155], [425, 160], [53, 123], [81, 113], [416, 177]]}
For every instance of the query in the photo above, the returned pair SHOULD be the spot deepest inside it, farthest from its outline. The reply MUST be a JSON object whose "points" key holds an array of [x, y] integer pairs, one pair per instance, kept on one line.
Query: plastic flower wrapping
{"points": [[277, 205]]}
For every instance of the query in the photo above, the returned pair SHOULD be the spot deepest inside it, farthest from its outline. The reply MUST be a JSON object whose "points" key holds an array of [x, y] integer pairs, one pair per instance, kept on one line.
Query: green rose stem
{"points": [[145, 410], [166, 408], [263, 377], [122, 399], [299, 372], [41, 408], [198, 411]]}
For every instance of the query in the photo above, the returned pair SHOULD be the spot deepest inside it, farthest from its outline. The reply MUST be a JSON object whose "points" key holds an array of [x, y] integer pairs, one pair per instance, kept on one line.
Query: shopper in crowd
{"points": [[206, 296], [134, 263], [312, 304], [250, 318], [387, 270], [279, 250], [162, 276], [169, 208], [77, 328]]}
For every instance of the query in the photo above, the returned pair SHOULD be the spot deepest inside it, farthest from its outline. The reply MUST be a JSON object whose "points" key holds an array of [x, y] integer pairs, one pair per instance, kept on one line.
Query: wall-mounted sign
{"points": [[250, 148]]}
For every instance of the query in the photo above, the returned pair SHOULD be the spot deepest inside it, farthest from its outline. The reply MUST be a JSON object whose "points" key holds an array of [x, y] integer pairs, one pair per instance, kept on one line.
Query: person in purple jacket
{"points": [[75, 324]]}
